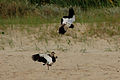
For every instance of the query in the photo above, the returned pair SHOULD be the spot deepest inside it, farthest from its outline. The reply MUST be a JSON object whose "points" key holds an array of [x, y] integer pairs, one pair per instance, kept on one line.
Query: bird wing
{"points": [[71, 20], [47, 57], [71, 13], [68, 20]]}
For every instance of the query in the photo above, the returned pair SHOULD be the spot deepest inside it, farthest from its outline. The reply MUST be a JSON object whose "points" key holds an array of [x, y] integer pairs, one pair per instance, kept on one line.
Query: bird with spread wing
{"points": [[67, 21]]}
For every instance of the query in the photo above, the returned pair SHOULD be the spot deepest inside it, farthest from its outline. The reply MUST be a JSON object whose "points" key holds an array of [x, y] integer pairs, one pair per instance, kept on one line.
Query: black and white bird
{"points": [[67, 21], [47, 59]]}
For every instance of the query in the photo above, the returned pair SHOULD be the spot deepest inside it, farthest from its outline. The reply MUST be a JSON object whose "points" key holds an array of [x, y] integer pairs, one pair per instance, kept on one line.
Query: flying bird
{"points": [[47, 59], [67, 21]]}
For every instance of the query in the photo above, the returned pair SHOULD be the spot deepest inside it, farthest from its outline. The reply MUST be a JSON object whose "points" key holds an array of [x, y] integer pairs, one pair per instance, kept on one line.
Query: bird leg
{"points": [[48, 67]]}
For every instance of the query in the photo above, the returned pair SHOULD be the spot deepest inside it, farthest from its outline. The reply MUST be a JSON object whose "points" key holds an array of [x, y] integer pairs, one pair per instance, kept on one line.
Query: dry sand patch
{"points": [[95, 59]]}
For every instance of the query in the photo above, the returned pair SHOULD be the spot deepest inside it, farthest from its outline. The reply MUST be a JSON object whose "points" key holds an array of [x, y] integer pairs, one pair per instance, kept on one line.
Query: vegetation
{"points": [[80, 3], [36, 12], [43, 10]]}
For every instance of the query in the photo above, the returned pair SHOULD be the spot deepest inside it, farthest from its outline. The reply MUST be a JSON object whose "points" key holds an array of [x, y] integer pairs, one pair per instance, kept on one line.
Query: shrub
{"points": [[13, 9]]}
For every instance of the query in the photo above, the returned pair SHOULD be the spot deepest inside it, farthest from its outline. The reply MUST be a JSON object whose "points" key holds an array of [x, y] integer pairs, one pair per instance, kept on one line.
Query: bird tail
{"points": [[35, 57]]}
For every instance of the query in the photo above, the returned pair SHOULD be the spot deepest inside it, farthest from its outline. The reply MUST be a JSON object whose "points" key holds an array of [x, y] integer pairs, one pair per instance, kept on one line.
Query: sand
{"points": [[69, 66], [93, 60]]}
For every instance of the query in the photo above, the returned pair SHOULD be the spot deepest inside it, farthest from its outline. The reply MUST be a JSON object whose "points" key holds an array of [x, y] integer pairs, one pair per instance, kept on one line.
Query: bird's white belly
{"points": [[68, 21], [65, 20]]}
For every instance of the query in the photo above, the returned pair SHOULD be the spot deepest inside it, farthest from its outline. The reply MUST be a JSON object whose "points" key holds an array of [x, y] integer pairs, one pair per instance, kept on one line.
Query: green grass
{"points": [[48, 14], [24, 12], [81, 3], [90, 16]]}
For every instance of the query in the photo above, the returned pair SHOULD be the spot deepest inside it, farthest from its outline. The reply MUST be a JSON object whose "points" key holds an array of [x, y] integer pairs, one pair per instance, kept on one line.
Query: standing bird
{"points": [[47, 59], [67, 21]]}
